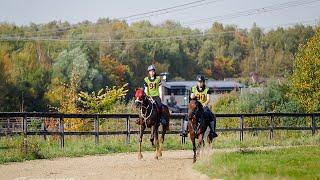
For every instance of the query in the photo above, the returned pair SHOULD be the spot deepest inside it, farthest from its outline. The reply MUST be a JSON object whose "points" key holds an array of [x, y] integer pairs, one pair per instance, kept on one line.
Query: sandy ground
{"points": [[173, 165]]}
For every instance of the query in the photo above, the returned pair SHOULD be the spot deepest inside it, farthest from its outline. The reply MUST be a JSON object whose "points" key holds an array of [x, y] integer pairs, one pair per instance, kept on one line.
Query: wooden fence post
{"points": [[314, 124], [241, 128], [61, 124], [183, 139], [128, 131], [44, 129], [271, 126], [8, 126], [25, 134], [96, 130]]}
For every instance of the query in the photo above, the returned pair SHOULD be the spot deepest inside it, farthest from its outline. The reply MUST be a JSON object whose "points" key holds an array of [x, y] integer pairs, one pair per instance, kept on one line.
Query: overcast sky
{"points": [[23, 12]]}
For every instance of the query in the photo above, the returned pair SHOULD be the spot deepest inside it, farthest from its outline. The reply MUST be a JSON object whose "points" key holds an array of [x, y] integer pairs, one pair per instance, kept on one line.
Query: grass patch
{"points": [[11, 148], [261, 139], [285, 163]]}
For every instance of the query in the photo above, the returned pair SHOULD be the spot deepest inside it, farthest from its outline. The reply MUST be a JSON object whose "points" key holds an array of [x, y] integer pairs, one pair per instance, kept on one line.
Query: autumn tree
{"points": [[305, 80]]}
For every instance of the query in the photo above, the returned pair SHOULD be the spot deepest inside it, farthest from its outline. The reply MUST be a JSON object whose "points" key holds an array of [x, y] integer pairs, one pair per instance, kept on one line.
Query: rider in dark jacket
{"points": [[200, 92]]}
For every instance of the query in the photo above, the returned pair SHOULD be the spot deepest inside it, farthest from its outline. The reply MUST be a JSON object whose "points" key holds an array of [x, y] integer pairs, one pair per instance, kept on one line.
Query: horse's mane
{"points": [[195, 101], [139, 89]]}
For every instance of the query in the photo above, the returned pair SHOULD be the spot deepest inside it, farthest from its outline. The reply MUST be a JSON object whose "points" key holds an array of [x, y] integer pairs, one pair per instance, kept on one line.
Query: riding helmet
{"points": [[152, 68], [201, 78]]}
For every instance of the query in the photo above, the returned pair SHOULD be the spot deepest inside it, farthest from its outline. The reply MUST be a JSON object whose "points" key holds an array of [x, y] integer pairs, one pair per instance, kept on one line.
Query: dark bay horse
{"points": [[149, 116], [196, 129]]}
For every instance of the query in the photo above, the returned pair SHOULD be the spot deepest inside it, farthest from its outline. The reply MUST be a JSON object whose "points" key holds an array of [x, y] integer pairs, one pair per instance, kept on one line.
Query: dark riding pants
{"points": [[157, 99], [211, 118]]}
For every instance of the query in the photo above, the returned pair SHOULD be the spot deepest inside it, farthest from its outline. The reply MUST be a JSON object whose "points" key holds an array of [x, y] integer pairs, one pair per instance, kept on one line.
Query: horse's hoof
{"points": [[194, 160], [159, 154], [156, 157], [140, 156]]}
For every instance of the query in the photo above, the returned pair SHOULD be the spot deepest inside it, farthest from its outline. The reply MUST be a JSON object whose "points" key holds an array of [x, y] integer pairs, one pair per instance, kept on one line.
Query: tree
{"points": [[223, 68], [76, 63], [305, 80], [115, 72], [104, 100]]}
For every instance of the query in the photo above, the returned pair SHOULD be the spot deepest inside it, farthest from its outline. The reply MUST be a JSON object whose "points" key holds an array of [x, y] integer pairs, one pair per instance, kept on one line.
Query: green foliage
{"points": [[305, 80], [31, 70], [272, 98], [102, 101], [75, 63]]}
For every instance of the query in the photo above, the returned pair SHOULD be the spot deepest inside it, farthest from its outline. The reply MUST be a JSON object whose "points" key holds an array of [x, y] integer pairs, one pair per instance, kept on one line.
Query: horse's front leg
{"points": [[142, 128], [163, 133], [152, 136], [156, 136], [200, 144], [193, 139]]}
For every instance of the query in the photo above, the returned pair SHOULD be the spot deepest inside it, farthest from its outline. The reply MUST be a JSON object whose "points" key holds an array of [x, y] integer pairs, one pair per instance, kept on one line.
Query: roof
{"points": [[210, 83]]}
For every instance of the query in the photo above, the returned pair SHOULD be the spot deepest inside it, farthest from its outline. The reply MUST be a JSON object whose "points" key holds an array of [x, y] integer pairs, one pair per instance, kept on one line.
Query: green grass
{"points": [[286, 163], [261, 139], [11, 147]]}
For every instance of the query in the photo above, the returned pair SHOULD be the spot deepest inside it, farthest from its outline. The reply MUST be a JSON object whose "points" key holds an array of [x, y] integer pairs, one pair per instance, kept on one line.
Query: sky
{"points": [[24, 12]]}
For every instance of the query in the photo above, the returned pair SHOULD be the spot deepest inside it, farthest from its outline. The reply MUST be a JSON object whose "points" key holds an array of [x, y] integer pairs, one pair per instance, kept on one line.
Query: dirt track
{"points": [[173, 165]]}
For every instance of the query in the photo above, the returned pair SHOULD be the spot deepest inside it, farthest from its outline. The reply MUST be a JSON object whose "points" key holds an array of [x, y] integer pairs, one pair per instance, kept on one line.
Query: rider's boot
{"points": [[163, 119], [212, 126]]}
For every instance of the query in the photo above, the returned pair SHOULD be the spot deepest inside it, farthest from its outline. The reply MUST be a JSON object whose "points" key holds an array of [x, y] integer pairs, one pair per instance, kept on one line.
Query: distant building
{"points": [[181, 91]]}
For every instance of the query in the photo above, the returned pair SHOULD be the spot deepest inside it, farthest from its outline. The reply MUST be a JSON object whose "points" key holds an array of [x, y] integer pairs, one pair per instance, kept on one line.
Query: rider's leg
{"points": [[212, 121], [163, 120]]}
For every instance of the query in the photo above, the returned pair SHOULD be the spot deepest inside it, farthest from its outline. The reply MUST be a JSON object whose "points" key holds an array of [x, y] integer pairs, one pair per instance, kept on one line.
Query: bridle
{"points": [[143, 107]]}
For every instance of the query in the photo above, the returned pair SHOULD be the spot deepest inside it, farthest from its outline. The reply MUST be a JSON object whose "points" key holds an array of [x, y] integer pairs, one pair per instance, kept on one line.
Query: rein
{"points": [[145, 115]]}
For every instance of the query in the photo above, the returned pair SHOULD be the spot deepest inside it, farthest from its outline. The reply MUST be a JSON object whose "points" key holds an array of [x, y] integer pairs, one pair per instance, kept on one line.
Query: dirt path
{"points": [[173, 165]]}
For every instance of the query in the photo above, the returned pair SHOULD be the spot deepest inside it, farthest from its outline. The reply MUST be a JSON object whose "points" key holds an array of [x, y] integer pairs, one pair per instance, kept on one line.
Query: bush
{"points": [[273, 98]]}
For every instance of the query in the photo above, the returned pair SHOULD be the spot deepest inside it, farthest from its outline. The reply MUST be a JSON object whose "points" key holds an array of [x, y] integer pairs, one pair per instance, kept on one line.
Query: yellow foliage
{"points": [[305, 80], [103, 100]]}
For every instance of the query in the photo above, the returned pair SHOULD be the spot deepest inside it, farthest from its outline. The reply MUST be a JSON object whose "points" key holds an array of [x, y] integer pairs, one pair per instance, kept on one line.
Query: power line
{"points": [[249, 12], [176, 10], [164, 9], [136, 16], [142, 39], [200, 21]]}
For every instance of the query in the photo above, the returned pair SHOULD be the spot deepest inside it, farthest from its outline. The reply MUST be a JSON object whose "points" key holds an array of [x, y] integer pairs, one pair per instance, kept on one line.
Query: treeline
{"points": [[40, 61], [299, 93]]}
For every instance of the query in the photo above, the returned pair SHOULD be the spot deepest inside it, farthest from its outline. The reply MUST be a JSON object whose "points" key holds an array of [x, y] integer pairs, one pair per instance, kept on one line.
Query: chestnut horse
{"points": [[196, 128], [149, 116]]}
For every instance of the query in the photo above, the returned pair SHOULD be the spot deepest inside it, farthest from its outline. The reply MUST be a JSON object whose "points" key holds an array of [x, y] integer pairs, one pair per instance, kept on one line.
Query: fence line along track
{"points": [[17, 123]]}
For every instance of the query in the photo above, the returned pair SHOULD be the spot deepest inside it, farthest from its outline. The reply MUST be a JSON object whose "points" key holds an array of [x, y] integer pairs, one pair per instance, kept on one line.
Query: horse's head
{"points": [[139, 96], [193, 111]]}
